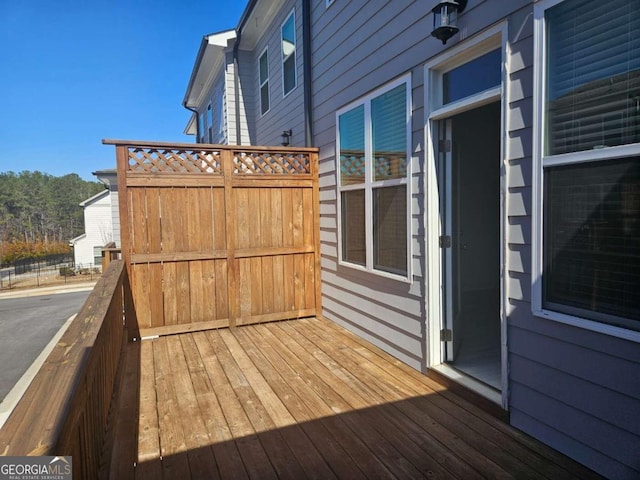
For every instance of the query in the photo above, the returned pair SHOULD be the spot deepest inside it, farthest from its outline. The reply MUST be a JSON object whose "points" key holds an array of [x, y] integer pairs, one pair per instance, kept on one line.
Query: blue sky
{"points": [[73, 72]]}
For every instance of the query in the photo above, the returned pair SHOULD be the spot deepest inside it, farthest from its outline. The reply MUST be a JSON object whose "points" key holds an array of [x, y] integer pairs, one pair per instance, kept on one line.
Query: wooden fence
{"points": [[217, 236], [66, 408]]}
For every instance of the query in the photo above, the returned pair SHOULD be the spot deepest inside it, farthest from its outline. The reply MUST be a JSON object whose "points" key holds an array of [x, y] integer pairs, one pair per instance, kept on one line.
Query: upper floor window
{"points": [[289, 54], [201, 128], [263, 73], [373, 135], [209, 123], [588, 235]]}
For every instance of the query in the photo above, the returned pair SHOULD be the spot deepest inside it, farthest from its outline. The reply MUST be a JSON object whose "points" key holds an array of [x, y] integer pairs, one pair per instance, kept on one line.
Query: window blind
{"points": [[389, 133], [592, 240], [593, 75]]}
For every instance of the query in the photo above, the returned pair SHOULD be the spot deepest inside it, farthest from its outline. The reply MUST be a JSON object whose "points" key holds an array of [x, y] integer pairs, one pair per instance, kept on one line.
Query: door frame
{"points": [[486, 41]]}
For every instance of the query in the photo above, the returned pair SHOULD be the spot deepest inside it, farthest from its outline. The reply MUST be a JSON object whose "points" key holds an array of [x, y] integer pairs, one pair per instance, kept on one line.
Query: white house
{"points": [[98, 230]]}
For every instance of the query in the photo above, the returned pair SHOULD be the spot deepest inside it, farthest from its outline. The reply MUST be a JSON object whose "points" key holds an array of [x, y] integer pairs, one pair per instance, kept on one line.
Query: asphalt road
{"points": [[27, 325]]}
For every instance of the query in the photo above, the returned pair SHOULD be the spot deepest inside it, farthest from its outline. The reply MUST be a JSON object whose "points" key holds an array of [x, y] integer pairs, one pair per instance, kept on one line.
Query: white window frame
{"points": [[370, 185], [540, 161], [295, 53], [266, 82]]}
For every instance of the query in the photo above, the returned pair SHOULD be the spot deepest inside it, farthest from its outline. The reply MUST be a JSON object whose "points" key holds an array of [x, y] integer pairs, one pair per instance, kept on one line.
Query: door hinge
{"points": [[444, 146], [445, 241], [446, 335]]}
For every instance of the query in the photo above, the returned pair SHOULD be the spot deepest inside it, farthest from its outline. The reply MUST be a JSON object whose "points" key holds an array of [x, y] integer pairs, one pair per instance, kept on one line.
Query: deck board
{"points": [[307, 399]]}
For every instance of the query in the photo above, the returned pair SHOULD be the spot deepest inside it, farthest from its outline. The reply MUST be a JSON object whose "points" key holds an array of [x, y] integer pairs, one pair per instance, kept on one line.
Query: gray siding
{"points": [[348, 63], [245, 96], [576, 390], [285, 113]]}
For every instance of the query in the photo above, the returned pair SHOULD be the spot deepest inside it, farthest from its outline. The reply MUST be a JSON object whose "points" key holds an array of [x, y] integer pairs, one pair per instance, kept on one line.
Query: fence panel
{"points": [[217, 236]]}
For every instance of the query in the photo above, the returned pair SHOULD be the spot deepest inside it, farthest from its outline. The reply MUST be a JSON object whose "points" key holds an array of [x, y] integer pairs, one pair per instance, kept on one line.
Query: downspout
{"points": [[306, 66]]}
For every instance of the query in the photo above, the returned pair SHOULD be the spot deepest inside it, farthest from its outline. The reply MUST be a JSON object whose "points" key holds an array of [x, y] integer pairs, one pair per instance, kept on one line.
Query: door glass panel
{"points": [[473, 77]]}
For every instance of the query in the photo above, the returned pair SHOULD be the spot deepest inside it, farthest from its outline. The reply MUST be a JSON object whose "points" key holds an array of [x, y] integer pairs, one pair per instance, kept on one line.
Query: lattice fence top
{"points": [[271, 163], [166, 160], [157, 160]]}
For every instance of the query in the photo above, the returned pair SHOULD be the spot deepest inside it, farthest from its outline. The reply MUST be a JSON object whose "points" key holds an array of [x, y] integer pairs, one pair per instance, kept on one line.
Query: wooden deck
{"points": [[305, 399]]}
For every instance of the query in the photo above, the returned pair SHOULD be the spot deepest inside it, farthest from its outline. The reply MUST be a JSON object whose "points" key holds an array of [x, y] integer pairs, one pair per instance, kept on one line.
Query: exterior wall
{"points": [[285, 112], [98, 230], [576, 390], [247, 129], [348, 62]]}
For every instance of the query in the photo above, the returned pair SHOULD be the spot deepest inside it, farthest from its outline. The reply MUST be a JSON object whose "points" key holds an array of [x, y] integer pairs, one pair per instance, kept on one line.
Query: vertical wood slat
{"points": [[230, 223], [213, 232]]}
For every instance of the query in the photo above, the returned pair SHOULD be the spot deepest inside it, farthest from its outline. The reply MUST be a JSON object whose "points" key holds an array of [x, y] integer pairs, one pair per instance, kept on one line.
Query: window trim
{"points": [[369, 185], [540, 162], [292, 14], [265, 51], [328, 3]]}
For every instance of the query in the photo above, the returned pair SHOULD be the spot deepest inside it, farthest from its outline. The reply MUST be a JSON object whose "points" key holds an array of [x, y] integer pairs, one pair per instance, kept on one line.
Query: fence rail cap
{"points": [[206, 146]]}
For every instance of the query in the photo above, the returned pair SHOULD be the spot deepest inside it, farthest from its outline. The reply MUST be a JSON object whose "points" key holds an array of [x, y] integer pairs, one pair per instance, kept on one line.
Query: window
{"points": [[201, 128], [588, 103], [289, 54], [485, 70], [328, 3], [220, 111], [263, 74], [210, 123], [373, 136]]}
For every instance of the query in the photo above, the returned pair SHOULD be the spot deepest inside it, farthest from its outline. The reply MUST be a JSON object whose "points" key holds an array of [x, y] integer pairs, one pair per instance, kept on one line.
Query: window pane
{"points": [[289, 54], [592, 241], [353, 227], [593, 75], [264, 68], [289, 72], [288, 36], [390, 229], [484, 71], [389, 129], [264, 98], [352, 160]]}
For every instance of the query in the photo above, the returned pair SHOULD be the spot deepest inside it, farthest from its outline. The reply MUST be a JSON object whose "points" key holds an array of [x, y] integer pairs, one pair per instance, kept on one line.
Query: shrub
{"points": [[67, 272]]}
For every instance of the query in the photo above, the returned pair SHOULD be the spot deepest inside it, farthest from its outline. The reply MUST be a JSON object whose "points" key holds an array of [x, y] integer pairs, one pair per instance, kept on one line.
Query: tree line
{"points": [[39, 212]]}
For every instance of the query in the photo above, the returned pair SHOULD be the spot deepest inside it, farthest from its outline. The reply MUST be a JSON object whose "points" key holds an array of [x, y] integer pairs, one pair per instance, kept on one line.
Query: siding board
{"points": [[610, 442]]}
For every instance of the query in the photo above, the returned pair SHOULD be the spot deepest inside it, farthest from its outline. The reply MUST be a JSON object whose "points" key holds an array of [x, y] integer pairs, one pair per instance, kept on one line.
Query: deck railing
{"points": [[109, 253], [66, 408]]}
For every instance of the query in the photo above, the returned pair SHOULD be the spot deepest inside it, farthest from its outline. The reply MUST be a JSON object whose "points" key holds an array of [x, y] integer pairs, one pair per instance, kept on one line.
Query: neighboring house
{"points": [[267, 96], [480, 200], [87, 248], [110, 178]]}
